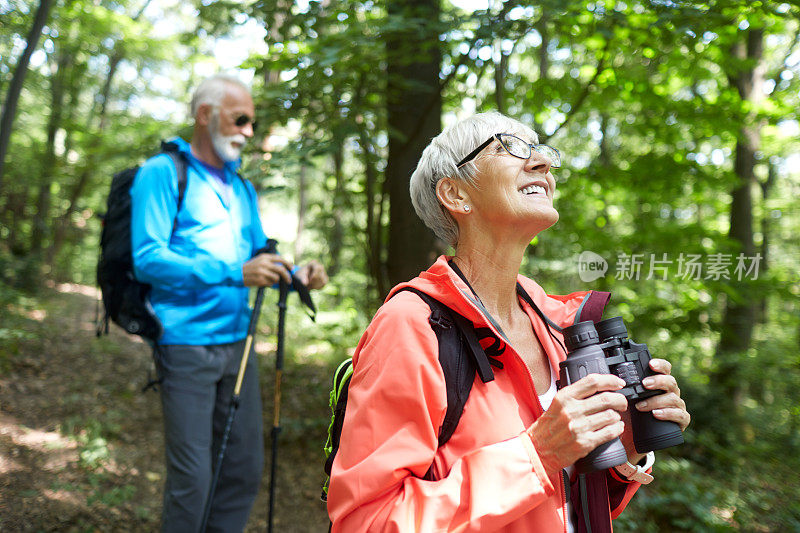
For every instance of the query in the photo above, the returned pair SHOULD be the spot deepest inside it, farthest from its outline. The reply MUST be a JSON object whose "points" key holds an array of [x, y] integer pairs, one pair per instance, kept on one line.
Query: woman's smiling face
{"points": [[513, 192]]}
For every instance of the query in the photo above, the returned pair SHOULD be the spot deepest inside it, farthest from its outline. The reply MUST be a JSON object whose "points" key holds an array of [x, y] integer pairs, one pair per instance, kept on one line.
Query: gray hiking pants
{"points": [[197, 386]]}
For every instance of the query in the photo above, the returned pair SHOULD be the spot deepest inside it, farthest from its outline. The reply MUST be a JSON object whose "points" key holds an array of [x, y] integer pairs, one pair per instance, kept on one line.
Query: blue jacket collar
{"points": [[186, 148]]}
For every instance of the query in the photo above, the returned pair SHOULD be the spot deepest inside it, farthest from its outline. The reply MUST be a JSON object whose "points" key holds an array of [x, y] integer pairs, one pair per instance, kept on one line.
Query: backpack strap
{"points": [[338, 402], [592, 502], [456, 335], [593, 306], [593, 487], [179, 160]]}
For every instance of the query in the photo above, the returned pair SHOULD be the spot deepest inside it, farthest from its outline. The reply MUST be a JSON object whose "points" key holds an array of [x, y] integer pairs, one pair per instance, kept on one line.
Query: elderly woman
{"points": [[485, 186]]}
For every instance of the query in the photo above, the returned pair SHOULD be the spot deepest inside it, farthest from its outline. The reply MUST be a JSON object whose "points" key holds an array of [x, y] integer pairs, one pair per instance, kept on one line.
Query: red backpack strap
{"points": [[593, 306], [593, 503], [590, 497]]}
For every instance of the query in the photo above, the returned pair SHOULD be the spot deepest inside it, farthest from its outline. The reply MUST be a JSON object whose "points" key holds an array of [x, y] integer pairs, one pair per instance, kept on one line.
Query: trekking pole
{"points": [[305, 299], [276, 419], [234, 403]]}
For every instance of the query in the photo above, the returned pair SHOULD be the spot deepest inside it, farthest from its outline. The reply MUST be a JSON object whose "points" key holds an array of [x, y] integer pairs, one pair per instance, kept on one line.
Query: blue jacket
{"points": [[195, 269]]}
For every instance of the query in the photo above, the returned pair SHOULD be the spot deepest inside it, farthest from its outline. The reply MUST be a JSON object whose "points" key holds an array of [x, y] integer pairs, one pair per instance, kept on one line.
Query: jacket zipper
{"points": [[234, 198]]}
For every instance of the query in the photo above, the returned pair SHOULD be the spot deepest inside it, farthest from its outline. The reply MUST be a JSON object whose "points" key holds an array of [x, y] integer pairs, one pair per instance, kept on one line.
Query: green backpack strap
{"points": [[341, 384], [338, 404]]}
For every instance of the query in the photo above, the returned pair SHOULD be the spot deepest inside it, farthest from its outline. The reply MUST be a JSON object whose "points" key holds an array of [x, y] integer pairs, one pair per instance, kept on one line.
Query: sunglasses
{"points": [[243, 120]]}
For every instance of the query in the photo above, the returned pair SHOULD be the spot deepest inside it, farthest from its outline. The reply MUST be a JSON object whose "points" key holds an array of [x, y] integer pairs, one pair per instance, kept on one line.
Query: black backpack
{"points": [[460, 355], [124, 298]]}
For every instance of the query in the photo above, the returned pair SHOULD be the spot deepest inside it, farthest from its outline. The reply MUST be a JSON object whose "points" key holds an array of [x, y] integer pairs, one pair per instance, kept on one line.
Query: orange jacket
{"points": [[489, 476]]}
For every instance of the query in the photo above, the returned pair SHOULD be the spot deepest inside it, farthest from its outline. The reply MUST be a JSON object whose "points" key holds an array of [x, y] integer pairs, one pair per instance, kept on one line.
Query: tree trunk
{"points": [[41, 217], [372, 205], [336, 239], [414, 117], [14, 213], [62, 223], [302, 207], [500, 68], [14, 90], [737, 324], [604, 157], [373, 200], [544, 68], [544, 54], [766, 233]]}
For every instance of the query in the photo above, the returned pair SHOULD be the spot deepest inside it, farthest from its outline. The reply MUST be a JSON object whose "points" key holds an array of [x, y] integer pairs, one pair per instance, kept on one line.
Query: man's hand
{"points": [[266, 269], [582, 416], [313, 275]]}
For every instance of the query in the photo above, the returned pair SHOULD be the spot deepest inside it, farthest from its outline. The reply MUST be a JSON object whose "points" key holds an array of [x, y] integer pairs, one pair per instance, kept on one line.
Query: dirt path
{"points": [[81, 447]]}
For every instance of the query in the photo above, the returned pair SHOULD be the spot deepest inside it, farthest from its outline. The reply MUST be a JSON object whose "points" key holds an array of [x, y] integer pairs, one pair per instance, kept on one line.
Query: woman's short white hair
{"points": [[212, 90], [439, 161]]}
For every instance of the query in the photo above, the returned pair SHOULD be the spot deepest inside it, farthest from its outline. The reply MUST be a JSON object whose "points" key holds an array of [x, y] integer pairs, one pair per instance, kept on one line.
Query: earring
{"points": [[466, 208]]}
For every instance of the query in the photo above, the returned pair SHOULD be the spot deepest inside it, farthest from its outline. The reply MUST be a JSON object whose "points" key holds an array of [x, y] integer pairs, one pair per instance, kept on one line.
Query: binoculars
{"points": [[604, 348]]}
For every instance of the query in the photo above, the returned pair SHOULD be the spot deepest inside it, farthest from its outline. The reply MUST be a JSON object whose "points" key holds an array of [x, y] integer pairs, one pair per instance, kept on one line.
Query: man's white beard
{"points": [[223, 144]]}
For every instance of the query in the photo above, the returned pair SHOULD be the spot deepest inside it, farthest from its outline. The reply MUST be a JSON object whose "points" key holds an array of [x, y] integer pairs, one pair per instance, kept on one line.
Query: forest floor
{"points": [[81, 447]]}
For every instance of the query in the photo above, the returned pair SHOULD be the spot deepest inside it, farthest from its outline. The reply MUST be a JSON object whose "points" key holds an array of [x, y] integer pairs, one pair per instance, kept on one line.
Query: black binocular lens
{"points": [[580, 335], [611, 328]]}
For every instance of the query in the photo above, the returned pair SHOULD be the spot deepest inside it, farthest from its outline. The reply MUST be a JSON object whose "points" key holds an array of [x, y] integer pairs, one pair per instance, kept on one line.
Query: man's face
{"points": [[231, 123]]}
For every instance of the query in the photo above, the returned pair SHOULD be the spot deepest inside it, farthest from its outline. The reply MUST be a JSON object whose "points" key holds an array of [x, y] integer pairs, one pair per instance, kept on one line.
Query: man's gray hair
{"points": [[212, 90], [439, 161]]}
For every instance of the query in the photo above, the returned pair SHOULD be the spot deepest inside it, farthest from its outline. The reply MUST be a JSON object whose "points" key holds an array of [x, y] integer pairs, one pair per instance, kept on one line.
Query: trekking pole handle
{"points": [[283, 293]]}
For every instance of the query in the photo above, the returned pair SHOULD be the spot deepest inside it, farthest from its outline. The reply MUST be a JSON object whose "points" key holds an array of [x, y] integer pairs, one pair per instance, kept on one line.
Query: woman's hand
{"points": [[582, 416], [667, 406]]}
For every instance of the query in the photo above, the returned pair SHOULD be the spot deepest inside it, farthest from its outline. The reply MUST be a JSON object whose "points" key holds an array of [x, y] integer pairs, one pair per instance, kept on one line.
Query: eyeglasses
{"points": [[243, 120], [516, 147]]}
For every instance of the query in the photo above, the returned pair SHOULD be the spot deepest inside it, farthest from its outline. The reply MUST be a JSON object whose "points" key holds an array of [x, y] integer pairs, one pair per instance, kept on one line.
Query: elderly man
{"points": [[198, 256]]}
